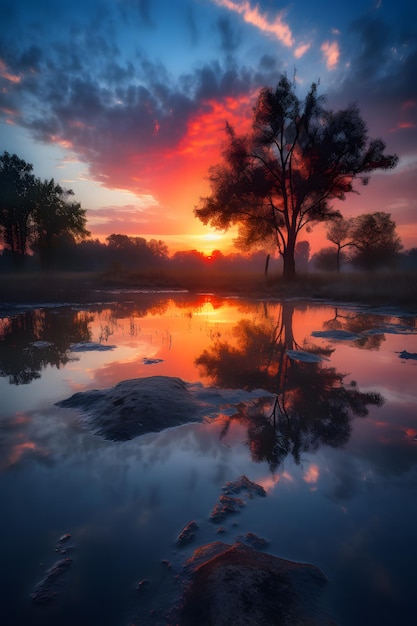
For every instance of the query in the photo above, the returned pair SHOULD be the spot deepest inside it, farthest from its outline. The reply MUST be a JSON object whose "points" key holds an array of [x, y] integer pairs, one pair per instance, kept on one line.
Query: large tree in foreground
{"points": [[282, 176]]}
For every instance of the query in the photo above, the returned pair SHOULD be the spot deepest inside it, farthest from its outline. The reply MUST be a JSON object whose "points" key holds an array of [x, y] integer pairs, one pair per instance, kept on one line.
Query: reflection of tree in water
{"points": [[358, 324], [32, 340], [365, 322], [312, 407]]}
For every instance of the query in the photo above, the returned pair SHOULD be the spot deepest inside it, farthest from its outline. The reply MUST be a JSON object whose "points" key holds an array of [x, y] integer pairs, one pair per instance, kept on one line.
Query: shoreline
{"points": [[384, 288]]}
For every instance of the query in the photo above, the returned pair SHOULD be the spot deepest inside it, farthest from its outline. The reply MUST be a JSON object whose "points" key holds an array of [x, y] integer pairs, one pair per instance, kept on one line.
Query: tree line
{"points": [[36, 216]]}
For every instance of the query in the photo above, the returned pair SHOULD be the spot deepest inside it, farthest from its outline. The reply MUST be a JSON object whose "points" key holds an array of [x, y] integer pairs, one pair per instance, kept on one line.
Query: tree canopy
{"points": [[36, 214], [371, 238], [282, 176]]}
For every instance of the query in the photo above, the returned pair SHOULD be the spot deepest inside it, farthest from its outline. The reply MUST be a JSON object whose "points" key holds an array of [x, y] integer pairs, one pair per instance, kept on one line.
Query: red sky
{"points": [[125, 103]]}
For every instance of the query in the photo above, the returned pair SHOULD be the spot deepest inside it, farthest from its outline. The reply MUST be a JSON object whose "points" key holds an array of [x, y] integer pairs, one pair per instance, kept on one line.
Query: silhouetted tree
{"points": [[328, 259], [280, 178], [375, 239], [56, 220], [16, 202], [339, 233], [135, 252]]}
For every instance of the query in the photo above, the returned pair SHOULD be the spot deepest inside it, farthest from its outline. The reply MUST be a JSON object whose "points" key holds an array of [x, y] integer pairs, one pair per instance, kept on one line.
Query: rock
{"points": [[47, 588], [235, 584], [253, 540], [243, 484], [187, 533], [149, 405], [135, 407], [142, 586], [226, 506]]}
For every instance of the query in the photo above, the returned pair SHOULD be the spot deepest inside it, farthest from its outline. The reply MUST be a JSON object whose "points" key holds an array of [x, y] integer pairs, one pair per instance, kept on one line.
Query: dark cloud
{"points": [[229, 37], [192, 27], [380, 77], [142, 8], [100, 103]]}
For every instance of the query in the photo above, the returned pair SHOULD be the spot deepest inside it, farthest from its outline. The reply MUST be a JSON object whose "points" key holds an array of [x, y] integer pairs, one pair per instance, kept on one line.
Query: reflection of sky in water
{"points": [[349, 510]]}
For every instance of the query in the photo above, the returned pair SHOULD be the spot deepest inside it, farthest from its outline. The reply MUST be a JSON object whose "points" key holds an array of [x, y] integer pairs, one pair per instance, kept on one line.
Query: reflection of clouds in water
{"points": [[312, 474], [16, 444]]}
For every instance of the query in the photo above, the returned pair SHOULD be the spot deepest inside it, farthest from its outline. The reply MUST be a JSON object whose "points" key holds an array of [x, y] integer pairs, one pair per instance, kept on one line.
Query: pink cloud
{"points": [[331, 53], [277, 27], [301, 50], [4, 73]]}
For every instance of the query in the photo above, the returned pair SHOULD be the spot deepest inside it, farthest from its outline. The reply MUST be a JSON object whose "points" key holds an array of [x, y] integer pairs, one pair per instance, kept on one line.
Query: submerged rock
{"points": [[252, 539], [135, 407], [187, 533], [235, 584], [243, 484], [47, 588], [226, 505], [151, 404]]}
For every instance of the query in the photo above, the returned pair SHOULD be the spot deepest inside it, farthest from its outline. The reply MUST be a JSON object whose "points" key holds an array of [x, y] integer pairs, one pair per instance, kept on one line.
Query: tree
{"points": [[328, 259], [281, 177], [375, 239], [136, 251], [56, 219], [339, 233], [16, 202], [302, 255]]}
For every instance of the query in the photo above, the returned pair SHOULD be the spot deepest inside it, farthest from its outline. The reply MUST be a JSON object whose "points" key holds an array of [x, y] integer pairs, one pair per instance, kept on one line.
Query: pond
{"points": [[332, 439]]}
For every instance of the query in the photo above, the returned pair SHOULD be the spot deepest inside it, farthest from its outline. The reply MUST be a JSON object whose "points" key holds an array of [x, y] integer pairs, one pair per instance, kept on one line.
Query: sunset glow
{"points": [[134, 129]]}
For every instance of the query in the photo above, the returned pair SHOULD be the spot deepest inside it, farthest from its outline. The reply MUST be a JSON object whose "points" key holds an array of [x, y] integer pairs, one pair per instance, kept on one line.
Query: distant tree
{"points": [[16, 202], [408, 259], [281, 177], [158, 249], [57, 221], [339, 232], [136, 251], [302, 255], [375, 241], [328, 259], [188, 259]]}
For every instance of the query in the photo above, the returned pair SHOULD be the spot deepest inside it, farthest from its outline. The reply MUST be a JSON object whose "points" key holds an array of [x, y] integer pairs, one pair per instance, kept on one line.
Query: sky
{"points": [[125, 101]]}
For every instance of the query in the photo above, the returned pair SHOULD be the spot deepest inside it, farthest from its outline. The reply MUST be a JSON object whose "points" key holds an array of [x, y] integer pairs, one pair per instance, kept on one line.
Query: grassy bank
{"points": [[379, 288]]}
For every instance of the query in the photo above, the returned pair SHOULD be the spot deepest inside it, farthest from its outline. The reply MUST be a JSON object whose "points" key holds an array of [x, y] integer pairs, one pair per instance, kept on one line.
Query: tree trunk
{"points": [[338, 260], [268, 257], [289, 261]]}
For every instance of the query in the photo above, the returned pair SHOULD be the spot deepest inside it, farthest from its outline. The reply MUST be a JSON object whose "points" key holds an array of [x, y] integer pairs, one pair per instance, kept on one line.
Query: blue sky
{"points": [[125, 101]]}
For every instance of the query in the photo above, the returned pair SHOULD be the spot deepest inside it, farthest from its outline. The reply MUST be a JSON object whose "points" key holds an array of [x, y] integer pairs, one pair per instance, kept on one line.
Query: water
{"points": [[338, 462]]}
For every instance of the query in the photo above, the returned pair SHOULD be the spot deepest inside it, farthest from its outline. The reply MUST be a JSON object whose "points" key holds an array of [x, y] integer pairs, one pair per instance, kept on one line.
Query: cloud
{"points": [[229, 38], [301, 50], [380, 76], [277, 27], [130, 120], [143, 218], [331, 54]]}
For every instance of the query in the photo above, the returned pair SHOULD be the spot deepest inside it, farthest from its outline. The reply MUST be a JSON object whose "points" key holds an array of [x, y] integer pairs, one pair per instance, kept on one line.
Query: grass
{"points": [[394, 288]]}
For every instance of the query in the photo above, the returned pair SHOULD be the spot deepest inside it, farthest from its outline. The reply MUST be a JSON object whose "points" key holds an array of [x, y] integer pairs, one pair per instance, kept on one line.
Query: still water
{"points": [[335, 450]]}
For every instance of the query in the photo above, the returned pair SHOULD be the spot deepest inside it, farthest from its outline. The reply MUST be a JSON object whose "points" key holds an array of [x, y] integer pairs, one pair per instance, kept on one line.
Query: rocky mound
{"points": [[135, 407], [235, 584], [149, 405]]}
